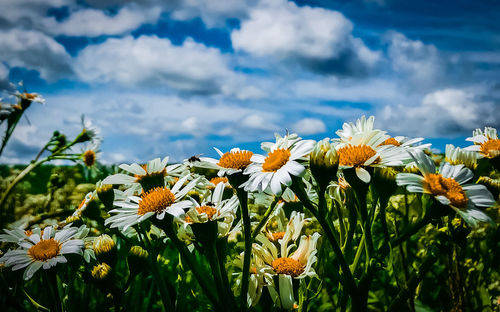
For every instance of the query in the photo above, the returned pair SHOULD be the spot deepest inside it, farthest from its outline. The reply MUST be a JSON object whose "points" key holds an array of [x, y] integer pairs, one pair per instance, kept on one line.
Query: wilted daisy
{"points": [[157, 201], [45, 250], [273, 171], [448, 186], [365, 150], [285, 263], [486, 143], [256, 280], [459, 156], [147, 176], [231, 162]]}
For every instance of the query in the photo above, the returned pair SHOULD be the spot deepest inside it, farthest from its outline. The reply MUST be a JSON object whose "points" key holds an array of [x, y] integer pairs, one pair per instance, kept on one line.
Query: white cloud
{"points": [[213, 13], [92, 22], [308, 126], [257, 121], [153, 61], [34, 50], [317, 38], [446, 112], [4, 78], [420, 62]]}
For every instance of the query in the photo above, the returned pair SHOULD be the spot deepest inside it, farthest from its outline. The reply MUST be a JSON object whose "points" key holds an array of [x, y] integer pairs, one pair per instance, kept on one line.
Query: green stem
{"points": [[349, 282], [414, 229], [214, 262], [153, 263], [359, 251], [247, 233], [264, 219], [221, 256], [53, 289], [193, 266]]}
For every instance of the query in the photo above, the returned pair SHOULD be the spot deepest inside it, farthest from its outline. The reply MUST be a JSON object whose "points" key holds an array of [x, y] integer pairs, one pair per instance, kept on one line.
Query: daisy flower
{"points": [[231, 162], [157, 201], [285, 263], [148, 176], [45, 250], [459, 156], [405, 142], [486, 143], [273, 171], [362, 125], [31, 97], [213, 208], [365, 150], [89, 132], [447, 185]]}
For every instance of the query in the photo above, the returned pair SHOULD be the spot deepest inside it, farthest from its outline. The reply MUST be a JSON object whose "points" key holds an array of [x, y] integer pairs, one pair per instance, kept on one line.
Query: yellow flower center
{"points": [[490, 148], [275, 236], [29, 96], [217, 180], [101, 271], [355, 155], [89, 158], [275, 160], [390, 141], [156, 200], [28, 232], [437, 185], [210, 211], [45, 249], [287, 266], [235, 160]]}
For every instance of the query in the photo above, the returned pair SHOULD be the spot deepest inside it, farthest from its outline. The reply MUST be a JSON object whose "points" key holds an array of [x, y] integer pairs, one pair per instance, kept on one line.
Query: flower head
{"points": [[145, 177], [447, 185], [44, 250], [231, 162], [157, 202], [485, 142], [273, 171]]}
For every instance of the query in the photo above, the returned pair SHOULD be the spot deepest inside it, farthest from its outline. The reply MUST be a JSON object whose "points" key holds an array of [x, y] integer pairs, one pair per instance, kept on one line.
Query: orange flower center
{"points": [[210, 211], [235, 160], [89, 158], [45, 249], [390, 141], [218, 180], [275, 160], [490, 148], [437, 185], [29, 96], [275, 236], [28, 232], [355, 155], [287, 266], [156, 200]]}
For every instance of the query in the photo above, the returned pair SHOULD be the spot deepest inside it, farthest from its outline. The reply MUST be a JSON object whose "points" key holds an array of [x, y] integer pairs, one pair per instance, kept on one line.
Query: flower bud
{"points": [[101, 272], [137, 259], [106, 194], [324, 162], [105, 248]]}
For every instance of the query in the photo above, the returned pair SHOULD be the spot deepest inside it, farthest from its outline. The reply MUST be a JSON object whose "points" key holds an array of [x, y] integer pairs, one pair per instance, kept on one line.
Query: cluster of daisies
{"points": [[157, 191]]}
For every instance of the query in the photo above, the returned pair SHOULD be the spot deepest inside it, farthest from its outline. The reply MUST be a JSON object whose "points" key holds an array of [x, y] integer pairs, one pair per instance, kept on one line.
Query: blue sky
{"points": [[179, 77]]}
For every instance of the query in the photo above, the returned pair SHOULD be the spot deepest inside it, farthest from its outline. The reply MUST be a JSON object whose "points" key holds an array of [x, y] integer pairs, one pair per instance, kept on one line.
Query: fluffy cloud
{"points": [[213, 13], [4, 78], [153, 61], [309, 126], [35, 50], [417, 61], [442, 113], [318, 39], [98, 23]]}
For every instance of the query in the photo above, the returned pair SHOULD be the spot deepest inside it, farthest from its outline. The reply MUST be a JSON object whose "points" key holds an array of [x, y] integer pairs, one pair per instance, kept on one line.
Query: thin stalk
{"points": [[348, 280], [341, 223], [153, 263], [247, 233], [193, 266], [359, 251], [264, 219], [214, 262], [53, 289], [221, 256], [414, 229]]}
